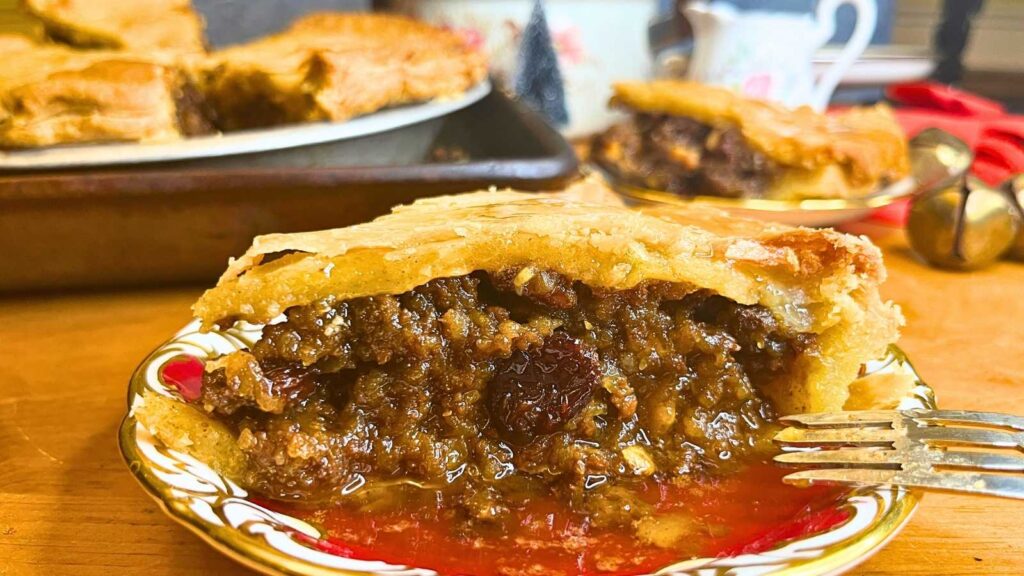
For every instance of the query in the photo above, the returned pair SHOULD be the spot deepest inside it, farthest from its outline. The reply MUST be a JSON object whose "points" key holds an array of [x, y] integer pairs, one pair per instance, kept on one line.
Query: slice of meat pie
{"points": [[530, 342], [333, 66], [54, 95], [693, 139], [169, 25]]}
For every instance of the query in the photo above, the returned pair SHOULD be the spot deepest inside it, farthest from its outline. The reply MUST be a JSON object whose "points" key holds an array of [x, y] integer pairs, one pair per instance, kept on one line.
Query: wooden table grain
{"points": [[69, 506]]}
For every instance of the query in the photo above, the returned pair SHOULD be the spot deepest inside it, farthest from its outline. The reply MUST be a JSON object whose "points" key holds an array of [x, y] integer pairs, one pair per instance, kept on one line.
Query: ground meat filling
{"points": [[684, 156], [489, 385], [195, 118]]}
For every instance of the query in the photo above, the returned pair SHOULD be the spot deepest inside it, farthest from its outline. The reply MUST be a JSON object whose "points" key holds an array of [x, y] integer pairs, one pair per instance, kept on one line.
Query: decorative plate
{"points": [[222, 513], [808, 212], [241, 142], [936, 158]]}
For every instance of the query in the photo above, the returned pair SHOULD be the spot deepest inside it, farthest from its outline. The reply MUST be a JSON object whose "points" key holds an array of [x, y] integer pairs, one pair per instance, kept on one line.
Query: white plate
{"points": [[243, 142], [881, 65]]}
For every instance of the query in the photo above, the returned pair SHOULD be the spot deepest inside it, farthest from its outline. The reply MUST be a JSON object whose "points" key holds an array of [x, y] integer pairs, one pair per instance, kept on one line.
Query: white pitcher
{"points": [[598, 42], [769, 55]]}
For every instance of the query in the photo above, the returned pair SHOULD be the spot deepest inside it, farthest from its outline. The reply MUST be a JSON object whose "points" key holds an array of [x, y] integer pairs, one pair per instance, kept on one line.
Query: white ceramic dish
{"points": [[236, 143]]}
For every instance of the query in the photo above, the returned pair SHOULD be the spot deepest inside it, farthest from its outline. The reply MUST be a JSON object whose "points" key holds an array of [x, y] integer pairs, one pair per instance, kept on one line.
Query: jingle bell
{"points": [[1014, 187], [964, 226]]}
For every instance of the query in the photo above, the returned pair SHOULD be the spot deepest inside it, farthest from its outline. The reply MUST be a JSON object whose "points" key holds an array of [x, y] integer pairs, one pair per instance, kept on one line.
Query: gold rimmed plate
{"points": [[228, 518], [807, 212], [936, 157]]}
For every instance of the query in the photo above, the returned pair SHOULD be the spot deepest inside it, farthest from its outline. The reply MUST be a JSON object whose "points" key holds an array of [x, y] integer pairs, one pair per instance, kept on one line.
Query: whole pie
{"points": [[333, 66], [692, 139], [51, 94], [492, 346], [166, 25]]}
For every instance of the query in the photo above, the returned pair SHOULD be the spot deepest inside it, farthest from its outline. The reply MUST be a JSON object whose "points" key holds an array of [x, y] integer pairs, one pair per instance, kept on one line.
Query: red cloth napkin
{"points": [[996, 137]]}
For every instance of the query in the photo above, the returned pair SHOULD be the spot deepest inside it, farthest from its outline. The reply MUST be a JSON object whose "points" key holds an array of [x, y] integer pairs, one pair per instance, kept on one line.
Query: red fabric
{"points": [[943, 98], [996, 137]]}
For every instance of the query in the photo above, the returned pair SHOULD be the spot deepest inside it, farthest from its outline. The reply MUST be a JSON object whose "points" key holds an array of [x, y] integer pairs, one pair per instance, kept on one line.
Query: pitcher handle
{"points": [[867, 18]]}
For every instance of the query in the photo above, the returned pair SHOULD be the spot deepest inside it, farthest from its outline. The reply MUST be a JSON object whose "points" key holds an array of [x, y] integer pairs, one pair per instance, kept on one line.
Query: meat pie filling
{"points": [[683, 156], [489, 388]]}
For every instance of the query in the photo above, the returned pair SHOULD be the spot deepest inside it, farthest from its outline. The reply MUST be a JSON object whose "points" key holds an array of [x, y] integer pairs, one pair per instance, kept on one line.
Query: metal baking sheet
{"points": [[179, 222]]}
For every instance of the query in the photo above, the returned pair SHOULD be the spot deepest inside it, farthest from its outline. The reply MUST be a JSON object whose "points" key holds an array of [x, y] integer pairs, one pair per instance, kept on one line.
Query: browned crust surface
{"points": [[54, 95], [171, 25], [817, 281], [327, 66], [864, 144], [333, 66]]}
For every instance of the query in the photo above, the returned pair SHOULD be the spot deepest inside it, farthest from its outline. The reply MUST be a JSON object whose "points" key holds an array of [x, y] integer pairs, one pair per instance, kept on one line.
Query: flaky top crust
{"points": [[390, 39], [339, 32], [814, 281], [866, 142], [599, 243], [333, 66], [171, 25], [28, 61], [51, 94]]}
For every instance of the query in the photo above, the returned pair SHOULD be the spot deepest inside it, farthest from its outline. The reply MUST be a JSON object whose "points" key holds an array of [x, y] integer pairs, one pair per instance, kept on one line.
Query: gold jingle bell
{"points": [[1014, 187], [963, 226]]}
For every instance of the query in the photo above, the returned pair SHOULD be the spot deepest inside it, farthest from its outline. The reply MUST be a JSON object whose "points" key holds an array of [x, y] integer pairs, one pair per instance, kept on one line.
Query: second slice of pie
{"points": [[697, 140]]}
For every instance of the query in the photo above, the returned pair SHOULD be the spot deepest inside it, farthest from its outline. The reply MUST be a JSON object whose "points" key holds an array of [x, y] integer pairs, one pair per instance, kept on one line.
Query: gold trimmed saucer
{"points": [[806, 212], [936, 157], [223, 514]]}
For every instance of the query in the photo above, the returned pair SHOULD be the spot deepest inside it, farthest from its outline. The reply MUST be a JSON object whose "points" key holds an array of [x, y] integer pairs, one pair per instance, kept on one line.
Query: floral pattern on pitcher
{"points": [[769, 55]]}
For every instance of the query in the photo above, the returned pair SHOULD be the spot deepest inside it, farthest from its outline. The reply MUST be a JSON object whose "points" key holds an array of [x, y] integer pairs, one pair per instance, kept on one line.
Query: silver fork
{"points": [[947, 450]]}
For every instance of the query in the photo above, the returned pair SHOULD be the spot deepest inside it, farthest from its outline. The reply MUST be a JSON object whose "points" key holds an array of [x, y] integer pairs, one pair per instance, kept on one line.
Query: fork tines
{"points": [[954, 450]]}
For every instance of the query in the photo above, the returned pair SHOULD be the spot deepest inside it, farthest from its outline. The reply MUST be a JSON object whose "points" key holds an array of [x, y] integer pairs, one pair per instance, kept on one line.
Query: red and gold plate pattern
{"points": [[748, 523]]}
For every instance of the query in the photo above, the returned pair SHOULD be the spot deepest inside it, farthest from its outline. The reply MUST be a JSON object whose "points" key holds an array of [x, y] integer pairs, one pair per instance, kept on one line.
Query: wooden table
{"points": [[69, 506]]}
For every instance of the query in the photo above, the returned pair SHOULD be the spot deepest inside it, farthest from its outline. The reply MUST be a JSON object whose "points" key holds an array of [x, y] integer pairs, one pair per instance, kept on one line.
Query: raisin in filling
{"points": [[684, 156], [487, 385]]}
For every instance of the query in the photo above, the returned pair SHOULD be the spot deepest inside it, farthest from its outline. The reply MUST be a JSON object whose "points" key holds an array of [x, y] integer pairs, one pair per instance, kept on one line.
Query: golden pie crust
{"points": [[50, 95], [839, 155], [150, 79], [814, 281], [170, 25], [333, 66]]}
